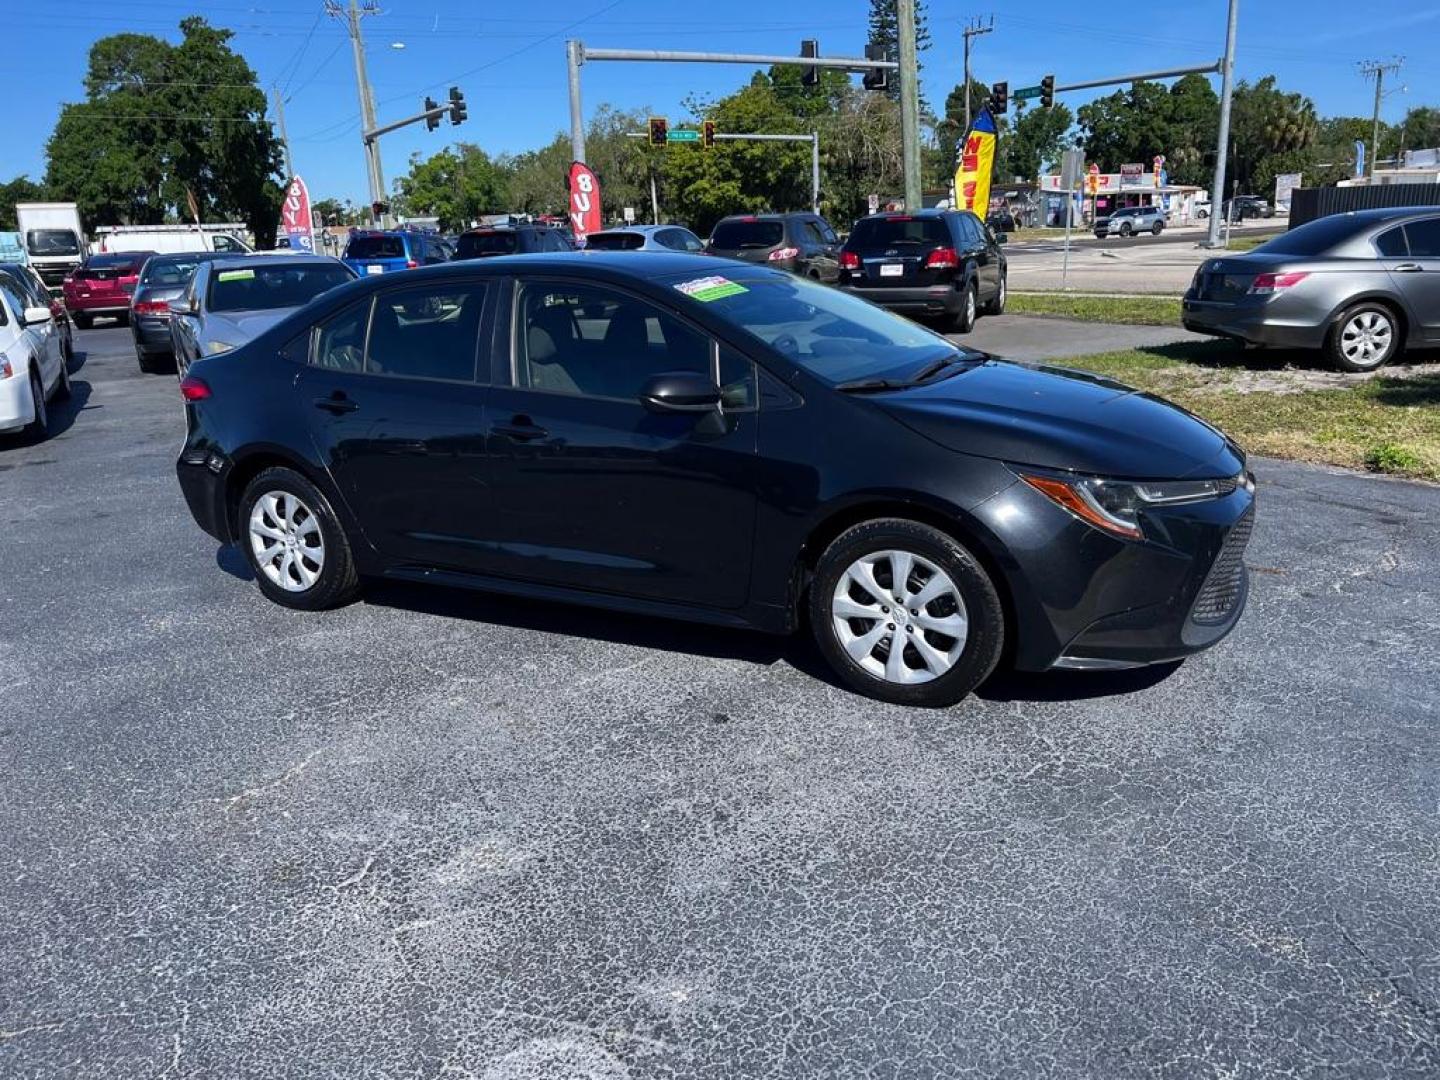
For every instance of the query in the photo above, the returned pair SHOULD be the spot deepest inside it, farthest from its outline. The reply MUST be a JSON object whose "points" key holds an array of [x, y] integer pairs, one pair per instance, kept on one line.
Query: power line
{"points": [[294, 64]]}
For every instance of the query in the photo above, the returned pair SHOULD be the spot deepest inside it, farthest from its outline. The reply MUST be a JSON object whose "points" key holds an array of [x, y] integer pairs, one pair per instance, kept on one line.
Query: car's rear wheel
{"points": [[1158, 228], [965, 318], [1365, 337], [294, 542], [39, 427], [906, 614]]}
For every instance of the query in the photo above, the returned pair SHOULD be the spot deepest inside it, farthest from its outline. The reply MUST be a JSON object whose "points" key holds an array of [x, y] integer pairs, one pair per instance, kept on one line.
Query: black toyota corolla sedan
{"points": [[700, 439]]}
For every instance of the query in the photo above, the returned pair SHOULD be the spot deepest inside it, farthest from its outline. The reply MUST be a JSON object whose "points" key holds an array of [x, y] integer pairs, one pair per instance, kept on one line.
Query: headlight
{"points": [[1114, 505], [213, 347]]}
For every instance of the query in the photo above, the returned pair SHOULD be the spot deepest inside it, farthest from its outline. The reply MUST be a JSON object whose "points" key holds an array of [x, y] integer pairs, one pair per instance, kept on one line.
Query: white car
{"points": [[32, 364]]}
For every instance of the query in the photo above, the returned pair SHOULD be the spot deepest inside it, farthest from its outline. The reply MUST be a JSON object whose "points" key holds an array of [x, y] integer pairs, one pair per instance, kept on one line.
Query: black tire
{"points": [[39, 428], [997, 305], [1157, 228], [336, 581], [985, 618], [1371, 317], [964, 320], [145, 360], [62, 388], [1125, 229], [84, 320]]}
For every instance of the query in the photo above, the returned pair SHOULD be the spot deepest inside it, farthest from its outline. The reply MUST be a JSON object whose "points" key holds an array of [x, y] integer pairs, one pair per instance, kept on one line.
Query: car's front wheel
{"points": [[294, 542], [1365, 337], [1125, 229], [906, 614]]}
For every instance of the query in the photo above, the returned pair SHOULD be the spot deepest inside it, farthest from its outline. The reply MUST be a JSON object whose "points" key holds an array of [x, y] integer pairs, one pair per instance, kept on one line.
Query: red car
{"points": [[103, 285]]}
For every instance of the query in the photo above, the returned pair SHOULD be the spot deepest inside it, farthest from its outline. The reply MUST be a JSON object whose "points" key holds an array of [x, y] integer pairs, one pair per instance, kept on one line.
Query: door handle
{"points": [[1408, 268], [520, 429], [336, 403]]}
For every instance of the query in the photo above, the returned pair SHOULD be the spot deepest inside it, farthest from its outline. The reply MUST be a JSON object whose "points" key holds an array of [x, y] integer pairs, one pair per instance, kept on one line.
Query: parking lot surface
{"points": [[436, 835]]}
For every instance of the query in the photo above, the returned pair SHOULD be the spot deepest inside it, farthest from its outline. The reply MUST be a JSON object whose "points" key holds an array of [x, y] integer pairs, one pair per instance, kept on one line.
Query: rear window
{"points": [[265, 286], [165, 272], [737, 234], [52, 242], [476, 244], [892, 231], [1314, 237], [111, 266], [615, 241], [375, 247]]}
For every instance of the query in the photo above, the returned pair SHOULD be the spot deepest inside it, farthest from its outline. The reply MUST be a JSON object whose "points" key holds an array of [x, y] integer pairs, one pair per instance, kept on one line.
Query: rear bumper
{"points": [[202, 481], [17, 406], [98, 305], [927, 300], [1256, 321], [152, 333]]}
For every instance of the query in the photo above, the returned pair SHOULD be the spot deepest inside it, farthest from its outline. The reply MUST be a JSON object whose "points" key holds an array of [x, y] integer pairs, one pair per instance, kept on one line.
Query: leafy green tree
{"points": [[456, 185], [163, 122], [338, 212], [1420, 130], [860, 153], [1271, 130], [885, 32], [21, 189], [537, 177], [1035, 141]]}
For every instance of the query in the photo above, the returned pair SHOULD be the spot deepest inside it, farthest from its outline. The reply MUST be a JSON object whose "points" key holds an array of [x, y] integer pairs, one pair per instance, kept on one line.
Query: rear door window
{"points": [[1391, 243], [426, 333], [1424, 237], [739, 233]]}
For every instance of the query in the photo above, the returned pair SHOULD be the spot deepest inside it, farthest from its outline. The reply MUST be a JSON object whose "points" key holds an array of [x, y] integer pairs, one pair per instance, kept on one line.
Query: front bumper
{"points": [[925, 300], [1258, 320], [1086, 600]]}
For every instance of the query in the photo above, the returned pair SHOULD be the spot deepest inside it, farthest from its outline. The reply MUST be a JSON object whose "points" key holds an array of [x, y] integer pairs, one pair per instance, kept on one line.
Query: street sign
{"points": [[872, 201], [682, 136], [1071, 166], [1026, 92], [629, 214]]}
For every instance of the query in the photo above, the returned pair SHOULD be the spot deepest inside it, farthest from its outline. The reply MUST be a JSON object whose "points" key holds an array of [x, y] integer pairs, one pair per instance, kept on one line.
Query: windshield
{"points": [[895, 231], [52, 242], [736, 234], [264, 288], [173, 271], [486, 243], [615, 241], [375, 247], [835, 336]]}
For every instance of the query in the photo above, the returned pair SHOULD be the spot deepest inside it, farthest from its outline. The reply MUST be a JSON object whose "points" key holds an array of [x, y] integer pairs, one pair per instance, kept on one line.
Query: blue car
{"points": [[376, 252]]}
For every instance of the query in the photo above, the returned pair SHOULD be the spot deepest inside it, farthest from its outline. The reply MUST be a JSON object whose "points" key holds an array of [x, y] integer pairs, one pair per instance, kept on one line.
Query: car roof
{"points": [[924, 212], [617, 266], [1375, 215], [642, 230], [769, 216]]}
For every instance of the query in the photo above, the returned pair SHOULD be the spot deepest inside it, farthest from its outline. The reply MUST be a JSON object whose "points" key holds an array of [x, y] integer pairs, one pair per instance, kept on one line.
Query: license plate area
{"points": [[374, 269], [892, 269]]}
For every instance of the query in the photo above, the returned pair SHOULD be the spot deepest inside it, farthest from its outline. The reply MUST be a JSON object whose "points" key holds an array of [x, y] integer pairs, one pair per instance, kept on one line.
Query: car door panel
{"points": [[1416, 277]]}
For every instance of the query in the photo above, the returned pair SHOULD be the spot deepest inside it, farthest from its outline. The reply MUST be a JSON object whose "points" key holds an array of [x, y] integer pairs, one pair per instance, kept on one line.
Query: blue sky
{"points": [[511, 64]]}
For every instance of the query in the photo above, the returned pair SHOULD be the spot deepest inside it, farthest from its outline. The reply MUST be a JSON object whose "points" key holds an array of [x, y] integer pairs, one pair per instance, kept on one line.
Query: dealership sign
{"points": [[584, 201], [1132, 175], [295, 217]]}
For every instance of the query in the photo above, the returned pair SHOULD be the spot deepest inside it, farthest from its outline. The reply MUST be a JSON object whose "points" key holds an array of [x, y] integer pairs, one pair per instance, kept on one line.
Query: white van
{"points": [[171, 239]]}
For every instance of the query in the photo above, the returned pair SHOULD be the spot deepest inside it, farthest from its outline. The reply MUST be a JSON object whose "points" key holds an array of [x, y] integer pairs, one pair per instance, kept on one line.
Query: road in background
{"points": [[436, 834]]}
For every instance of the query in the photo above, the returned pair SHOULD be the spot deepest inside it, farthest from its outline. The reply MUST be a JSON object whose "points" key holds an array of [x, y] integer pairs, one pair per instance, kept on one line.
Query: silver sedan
{"points": [[1362, 286], [645, 238], [232, 301]]}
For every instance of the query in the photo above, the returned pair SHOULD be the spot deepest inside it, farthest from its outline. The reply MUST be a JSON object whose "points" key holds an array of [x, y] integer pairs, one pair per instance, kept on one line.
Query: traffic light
{"points": [[458, 112], [1000, 97], [1047, 92], [876, 79], [659, 130], [707, 133], [432, 118], [811, 75]]}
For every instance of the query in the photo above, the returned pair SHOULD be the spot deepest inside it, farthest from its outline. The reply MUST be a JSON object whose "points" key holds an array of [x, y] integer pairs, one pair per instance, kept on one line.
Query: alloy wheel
{"points": [[899, 617], [970, 306], [286, 540], [1366, 338]]}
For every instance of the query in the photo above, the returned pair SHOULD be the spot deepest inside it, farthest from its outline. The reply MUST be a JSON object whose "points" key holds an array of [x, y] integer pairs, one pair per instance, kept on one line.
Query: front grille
{"points": [[52, 275], [1223, 585]]}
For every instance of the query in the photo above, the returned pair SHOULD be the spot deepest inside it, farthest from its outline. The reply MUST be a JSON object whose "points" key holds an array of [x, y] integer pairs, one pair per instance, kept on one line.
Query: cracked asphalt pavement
{"points": [[439, 835]]}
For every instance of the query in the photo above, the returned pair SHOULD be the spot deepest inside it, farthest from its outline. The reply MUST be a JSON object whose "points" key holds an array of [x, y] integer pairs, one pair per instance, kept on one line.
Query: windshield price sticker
{"points": [[706, 289], [236, 275]]}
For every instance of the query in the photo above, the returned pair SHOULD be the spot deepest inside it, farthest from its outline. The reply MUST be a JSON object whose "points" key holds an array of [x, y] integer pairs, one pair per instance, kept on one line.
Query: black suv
{"points": [[939, 263], [523, 239], [800, 242]]}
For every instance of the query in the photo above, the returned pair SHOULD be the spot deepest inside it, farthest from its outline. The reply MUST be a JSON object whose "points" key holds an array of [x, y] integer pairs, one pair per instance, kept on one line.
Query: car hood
{"points": [[239, 327], [1060, 418]]}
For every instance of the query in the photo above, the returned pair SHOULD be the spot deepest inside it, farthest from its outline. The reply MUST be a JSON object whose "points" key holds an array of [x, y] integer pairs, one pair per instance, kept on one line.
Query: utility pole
{"points": [[352, 15], [973, 29], [574, 57], [909, 104], [284, 136], [1376, 69], [1222, 148]]}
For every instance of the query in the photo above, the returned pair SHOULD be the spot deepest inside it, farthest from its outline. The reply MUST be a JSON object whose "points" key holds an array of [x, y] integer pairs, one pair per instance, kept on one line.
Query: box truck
{"points": [[54, 240]]}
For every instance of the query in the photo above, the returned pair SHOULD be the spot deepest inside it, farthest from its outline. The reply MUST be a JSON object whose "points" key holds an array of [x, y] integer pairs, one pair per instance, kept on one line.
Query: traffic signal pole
{"points": [[1227, 82]]}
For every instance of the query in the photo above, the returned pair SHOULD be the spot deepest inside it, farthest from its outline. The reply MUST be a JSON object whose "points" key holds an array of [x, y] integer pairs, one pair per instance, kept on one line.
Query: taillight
{"points": [[193, 389], [784, 253], [1265, 284], [152, 307], [941, 258], [411, 264], [849, 260]]}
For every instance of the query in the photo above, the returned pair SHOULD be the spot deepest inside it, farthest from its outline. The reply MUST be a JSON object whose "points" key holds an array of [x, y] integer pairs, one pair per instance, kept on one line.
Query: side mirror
{"points": [[680, 391], [1002, 238], [36, 316]]}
